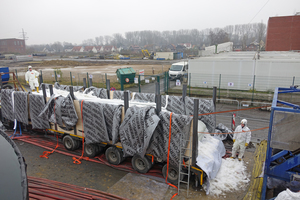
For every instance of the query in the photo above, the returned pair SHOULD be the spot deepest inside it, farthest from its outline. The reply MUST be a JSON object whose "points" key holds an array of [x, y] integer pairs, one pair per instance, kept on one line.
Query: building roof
{"points": [[77, 48], [88, 48], [250, 55]]}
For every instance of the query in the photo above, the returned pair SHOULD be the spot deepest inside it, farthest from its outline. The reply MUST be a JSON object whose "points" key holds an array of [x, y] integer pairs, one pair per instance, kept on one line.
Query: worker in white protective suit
{"points": [[292, 193], [241, 139], [31, 77]]}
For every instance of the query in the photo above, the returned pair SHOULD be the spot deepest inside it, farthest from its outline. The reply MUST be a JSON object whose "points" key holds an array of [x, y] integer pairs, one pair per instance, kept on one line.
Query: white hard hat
{"points": [[244, 121], [29, 67]]}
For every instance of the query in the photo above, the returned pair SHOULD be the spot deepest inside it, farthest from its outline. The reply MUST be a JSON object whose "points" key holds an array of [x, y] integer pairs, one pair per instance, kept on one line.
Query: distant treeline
{"points": [[241, 34]]}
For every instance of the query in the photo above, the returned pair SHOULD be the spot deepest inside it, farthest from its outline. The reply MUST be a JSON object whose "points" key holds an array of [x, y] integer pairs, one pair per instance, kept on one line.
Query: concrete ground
{"points": [[102, 177]]}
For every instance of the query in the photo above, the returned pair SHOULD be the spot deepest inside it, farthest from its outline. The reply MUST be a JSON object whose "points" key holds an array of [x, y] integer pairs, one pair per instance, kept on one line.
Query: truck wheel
{"points": [[114, 155], [69, 143], [141, 164], [173, 174], [90, 150]]}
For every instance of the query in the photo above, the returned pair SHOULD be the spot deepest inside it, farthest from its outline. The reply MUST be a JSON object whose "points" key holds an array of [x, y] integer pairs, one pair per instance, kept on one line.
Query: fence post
{"points": [[190, 84], [157, 88], [55, 76], [168, 82], [41, 77], [139, 83], [214, 97], [71, 78], [84, 83], [87, 78], [90, 82], [195, 132], [126, 101], [253, 88], [219, 85], [105, 77], [184, 89], [293, 81], [108, 88]]}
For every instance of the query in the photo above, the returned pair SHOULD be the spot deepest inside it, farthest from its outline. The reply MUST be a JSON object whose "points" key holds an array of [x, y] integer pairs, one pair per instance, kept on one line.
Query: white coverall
{"points": [[288, 195], [31, 77], [241, 137]]}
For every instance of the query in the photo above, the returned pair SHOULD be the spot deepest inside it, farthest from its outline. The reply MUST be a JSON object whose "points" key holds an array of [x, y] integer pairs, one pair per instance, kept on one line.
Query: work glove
{"points": [[246, 144], [27, 81], [233, 140]]}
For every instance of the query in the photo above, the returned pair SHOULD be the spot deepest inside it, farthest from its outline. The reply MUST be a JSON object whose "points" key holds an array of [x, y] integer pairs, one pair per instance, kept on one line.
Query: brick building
{"points": [[283, 33], [12, 45]]}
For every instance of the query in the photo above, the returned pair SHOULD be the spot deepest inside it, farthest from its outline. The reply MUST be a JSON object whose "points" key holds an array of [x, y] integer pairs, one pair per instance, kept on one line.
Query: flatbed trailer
{"points": [[72, 140]]}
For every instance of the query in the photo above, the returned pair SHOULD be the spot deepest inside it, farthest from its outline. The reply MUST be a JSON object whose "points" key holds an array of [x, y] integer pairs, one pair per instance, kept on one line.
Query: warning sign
{"points": [[112, 89], [127, 80]]}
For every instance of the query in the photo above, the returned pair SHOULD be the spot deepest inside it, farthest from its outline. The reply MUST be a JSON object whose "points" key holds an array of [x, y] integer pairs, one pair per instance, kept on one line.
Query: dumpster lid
{"points": [[128, 70]]}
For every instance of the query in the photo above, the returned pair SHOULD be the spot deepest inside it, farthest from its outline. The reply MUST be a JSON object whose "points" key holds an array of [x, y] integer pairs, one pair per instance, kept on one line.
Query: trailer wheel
{"points": [[173, 174], [141, 164], [7, 87], [69, 143], [114, 155], [90, 150]]}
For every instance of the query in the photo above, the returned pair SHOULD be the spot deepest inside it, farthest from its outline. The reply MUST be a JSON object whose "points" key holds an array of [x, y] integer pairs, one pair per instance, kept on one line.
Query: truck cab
{"points": [[177, 70]]}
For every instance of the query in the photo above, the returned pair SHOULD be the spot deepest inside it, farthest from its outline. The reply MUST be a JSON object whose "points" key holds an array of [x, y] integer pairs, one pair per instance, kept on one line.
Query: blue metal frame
{"points": [[280, 171]]}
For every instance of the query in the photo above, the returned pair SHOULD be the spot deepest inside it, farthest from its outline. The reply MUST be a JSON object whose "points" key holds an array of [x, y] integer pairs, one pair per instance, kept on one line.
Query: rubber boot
{"points": [[37, 89], [240, 159]]}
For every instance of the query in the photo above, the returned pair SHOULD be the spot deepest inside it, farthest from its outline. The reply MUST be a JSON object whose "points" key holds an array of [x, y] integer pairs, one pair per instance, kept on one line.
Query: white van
{"points": [[177, 70]]}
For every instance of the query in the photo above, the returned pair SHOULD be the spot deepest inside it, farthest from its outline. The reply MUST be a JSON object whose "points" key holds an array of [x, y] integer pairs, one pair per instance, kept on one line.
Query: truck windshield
{"points": [[176, 68]]}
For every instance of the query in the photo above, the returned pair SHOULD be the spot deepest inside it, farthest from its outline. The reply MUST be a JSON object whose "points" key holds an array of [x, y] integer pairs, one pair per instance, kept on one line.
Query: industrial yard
{"points": [[176, 122]]}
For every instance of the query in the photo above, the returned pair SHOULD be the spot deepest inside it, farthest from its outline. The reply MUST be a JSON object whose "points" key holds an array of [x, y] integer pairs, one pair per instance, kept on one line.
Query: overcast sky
{"points": [[74, 21]]}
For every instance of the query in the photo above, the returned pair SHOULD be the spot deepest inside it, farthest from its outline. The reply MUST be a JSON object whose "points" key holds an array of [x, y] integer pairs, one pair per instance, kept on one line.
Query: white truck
{"points": [[177, 70]]}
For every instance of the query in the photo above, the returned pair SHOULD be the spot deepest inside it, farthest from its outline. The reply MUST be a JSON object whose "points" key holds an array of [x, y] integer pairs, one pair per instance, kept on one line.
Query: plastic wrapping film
{"points": [[137, 129], [6, 104], [149, 97], [21, 106], [176, 105], [36, 104], [21, 160], [120, 95], [65, 87], [113, 117], [60, 110], [101, 122], [98, 92], [221, 128], [159, 143], [205, 106]]}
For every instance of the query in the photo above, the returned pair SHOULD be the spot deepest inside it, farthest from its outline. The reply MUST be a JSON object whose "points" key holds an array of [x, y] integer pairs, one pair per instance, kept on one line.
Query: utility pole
{"points": [[24, 36]]}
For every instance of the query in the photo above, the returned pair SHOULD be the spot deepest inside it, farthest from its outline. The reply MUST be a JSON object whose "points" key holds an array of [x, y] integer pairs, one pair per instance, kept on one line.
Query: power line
{"points": [[259, 11]]}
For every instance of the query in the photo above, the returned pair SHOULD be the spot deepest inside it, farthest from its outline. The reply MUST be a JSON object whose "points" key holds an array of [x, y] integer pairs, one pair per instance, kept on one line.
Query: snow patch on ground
{"points": [[231, 177]]}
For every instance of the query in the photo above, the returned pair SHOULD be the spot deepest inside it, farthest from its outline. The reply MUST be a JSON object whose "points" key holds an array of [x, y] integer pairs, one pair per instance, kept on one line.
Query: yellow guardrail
{"points": [[254, 191]]}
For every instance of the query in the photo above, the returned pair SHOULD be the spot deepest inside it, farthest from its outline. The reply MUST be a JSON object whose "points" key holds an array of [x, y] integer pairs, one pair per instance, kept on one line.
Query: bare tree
{"points": [[118, 38], [107, 39], [57, 46]]}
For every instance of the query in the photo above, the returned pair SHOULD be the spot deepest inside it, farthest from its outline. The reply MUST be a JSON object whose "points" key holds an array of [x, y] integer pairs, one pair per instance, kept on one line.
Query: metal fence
{"points": [[241, 82], [243, 87]]}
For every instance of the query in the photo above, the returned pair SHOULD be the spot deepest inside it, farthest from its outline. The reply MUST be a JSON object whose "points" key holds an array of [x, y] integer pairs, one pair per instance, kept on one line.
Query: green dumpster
{"points": [[125, 75]]}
